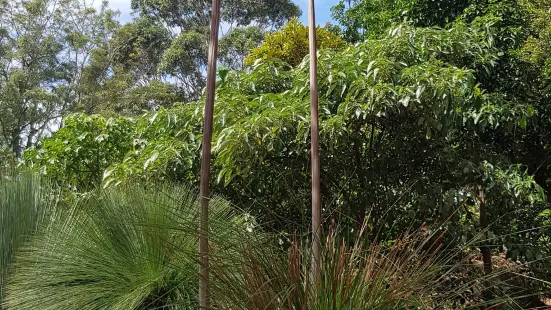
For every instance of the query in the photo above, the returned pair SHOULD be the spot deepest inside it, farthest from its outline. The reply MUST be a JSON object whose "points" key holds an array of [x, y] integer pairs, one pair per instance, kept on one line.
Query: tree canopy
{"points": [[44, 46]]}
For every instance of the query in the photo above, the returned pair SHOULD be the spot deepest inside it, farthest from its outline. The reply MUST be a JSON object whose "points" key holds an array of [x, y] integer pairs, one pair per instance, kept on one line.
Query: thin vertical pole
{"points": [[316, 196], [204, 194]]}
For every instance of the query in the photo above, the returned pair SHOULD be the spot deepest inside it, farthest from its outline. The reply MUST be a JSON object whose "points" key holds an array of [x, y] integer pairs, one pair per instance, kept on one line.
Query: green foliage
{"points": [[7, 159], [139, 46], [131, 248], [187, 14], [186, 59], [263, 13], [396, 116], [514, 202], [122, 75], [537, 48], [135, 248], [414, 122], [165, 147], [72, 56], [25, 204], [84, 147], [83, 152], [175, 32], [290, 44], [361, 19], [43, 46]]}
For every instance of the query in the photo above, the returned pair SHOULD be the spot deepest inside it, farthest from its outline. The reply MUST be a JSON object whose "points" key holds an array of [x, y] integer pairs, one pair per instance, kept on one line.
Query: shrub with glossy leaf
{"points": [[119, 249], [85, 147]]}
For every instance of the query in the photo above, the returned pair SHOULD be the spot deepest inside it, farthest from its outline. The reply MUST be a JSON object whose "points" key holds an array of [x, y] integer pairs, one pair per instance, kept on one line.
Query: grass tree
{"points": [[25, 203], [122, 248]]}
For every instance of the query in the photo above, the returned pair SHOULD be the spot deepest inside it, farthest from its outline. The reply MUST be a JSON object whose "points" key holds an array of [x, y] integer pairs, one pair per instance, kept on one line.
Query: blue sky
{"points": [[323, 9]]}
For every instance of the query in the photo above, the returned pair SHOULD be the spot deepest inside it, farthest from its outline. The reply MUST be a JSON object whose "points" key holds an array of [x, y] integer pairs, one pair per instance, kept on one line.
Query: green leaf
{"points": [[150, 160], [523, 121]]}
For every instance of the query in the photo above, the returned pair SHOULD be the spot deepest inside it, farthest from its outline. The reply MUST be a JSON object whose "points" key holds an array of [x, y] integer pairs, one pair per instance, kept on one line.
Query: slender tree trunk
{"points": [[16, 144], [204, 289], [316, 195], [484, 249], [30, 136]]}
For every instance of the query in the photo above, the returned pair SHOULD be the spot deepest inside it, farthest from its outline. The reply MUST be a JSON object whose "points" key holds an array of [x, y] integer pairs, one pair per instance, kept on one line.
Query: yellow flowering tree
{"points": [[290, 44]]}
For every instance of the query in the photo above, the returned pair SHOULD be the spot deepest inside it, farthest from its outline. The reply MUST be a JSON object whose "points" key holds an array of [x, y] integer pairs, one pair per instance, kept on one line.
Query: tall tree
{"points": [[185, 59], [187, 14], [237, 44], [124, 76], [44, 46]]}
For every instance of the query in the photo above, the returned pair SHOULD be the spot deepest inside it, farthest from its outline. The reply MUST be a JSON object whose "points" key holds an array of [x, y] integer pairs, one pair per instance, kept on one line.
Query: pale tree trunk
{"points": [[316, 195], [204, 287]]}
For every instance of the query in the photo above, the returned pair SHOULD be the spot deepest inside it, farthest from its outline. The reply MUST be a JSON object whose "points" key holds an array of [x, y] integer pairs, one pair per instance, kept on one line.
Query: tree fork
{"points": [[204, 195]]}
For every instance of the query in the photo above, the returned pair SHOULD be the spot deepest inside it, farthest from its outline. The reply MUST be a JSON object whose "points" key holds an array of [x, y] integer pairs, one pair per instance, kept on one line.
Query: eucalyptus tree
{"points": [[44, 45], [123, 74], [187, 21], [184, 15], [237, 44]]}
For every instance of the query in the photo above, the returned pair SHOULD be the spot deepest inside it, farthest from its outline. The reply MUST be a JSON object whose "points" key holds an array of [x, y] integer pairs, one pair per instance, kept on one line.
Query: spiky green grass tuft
{"points": [[119, 249], [25, 203]]}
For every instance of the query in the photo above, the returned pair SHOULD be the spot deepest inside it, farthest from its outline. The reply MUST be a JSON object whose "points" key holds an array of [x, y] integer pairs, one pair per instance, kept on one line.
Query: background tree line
{"points": [[63, 56]]}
